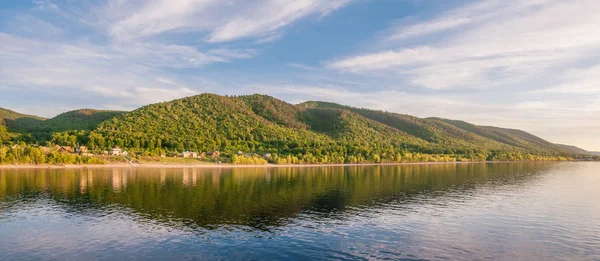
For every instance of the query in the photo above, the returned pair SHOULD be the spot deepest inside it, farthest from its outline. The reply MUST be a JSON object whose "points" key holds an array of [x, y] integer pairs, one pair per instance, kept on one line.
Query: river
{"points": [[493, 211]]}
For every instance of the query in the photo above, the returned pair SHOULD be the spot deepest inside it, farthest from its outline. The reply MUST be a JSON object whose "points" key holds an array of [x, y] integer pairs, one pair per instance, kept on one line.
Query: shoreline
{"points": [[226, 165]]}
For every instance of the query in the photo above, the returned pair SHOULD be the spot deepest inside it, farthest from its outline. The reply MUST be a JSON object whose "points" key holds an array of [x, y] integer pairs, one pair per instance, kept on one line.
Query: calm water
{"points": [[503, 211]]}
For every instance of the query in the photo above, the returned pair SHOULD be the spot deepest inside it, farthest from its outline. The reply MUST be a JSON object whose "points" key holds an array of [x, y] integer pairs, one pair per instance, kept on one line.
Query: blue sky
{"points": [[526, 64]]}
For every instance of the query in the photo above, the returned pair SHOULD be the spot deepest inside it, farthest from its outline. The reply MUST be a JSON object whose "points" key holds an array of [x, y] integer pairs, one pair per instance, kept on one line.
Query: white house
{"points": [[189, 154], [117, 151]]}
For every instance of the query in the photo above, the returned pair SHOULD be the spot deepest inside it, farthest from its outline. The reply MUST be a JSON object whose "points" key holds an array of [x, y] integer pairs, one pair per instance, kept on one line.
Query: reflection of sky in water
{"points": [[532, 212]]}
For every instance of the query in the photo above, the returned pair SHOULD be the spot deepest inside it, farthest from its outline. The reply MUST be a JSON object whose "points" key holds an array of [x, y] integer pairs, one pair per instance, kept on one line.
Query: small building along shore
{"points": [[117, 151], [65, 149], [189, 154]]}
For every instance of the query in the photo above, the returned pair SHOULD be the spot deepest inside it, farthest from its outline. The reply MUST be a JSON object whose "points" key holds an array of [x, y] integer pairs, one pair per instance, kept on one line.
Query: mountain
{"points": [[18, 121], [516, 138], [82, 119], [205, 122], [437, 133], [265, 124], [569, 149], [310, 132], [335, 122], [34, 128]]}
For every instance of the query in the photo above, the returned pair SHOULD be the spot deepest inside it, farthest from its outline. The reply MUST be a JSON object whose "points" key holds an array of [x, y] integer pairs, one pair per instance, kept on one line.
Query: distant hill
{"points": [[325, 131], [82, 119], [205, 122], [263, 123], [516, 138], [569, 149], [18, 121], [42, 128]]}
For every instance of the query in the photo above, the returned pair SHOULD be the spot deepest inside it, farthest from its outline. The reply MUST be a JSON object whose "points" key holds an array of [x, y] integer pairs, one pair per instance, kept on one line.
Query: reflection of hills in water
{"points": [[259, 198]]}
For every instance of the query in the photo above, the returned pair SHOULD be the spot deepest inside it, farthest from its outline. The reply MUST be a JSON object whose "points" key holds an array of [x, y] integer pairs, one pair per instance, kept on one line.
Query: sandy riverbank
{"points": [[207, 165]]}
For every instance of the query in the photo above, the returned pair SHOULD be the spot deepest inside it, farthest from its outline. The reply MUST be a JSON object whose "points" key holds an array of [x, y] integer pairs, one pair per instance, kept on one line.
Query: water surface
{"points": [[501, 211]]}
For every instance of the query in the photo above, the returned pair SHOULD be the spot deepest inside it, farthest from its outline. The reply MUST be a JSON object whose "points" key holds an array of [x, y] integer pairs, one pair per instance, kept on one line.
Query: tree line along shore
{"points": [[259, 129]]}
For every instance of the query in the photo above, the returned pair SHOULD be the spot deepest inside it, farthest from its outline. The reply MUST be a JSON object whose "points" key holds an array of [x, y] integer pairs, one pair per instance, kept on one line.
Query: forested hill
{"points": [[262, 124], [41, 129], [14, 119], [82, 119]]}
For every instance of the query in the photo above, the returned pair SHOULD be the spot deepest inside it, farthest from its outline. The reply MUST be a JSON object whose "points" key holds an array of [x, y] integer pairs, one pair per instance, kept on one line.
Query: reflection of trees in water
{"points": [[259, 198]]}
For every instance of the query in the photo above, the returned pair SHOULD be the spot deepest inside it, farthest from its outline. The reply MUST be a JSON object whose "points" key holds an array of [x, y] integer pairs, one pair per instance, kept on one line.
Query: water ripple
{"points": [[520, 211]]}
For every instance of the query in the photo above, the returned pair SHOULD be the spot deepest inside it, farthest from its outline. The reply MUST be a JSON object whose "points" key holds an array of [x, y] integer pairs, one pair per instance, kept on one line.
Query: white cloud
{"points": [[384, 60], [269, 16], [429, 27], [272, 37], [470, 60], [45, 5], [532, 105], [389, 100], [232, 53], [171, 56], [583, 80], [118, 59], [223, 20], [98, 71], [477, 12], [516, 40]]}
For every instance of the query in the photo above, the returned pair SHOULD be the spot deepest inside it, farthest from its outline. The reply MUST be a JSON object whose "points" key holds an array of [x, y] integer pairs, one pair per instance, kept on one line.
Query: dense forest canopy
{"points": [[310, 132]]}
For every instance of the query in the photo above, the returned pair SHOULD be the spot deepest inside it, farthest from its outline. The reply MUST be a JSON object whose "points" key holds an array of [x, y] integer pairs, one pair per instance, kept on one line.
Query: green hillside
{"points": [[310, 132], [336, 122], [440, 135], [205, 122], [17, 121], [261, 123], [33, 128], [82, 119]]}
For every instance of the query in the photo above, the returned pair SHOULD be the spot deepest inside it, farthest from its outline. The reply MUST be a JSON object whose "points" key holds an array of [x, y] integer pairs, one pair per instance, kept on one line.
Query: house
{"points": [[117, 151], [189, 154], [268, 156], [214, 154], [81, 149], [65, 149]]}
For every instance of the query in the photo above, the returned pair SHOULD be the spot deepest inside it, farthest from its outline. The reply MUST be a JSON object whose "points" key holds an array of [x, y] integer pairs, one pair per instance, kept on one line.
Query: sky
{"points": [[527, 64]]}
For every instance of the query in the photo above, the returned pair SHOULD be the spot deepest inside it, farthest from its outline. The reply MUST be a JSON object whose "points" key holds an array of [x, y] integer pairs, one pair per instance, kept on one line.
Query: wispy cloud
{"points": [[116, 48], [223, 21], [103, 71], [528, 64], [497, 40], [583, 80]]}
